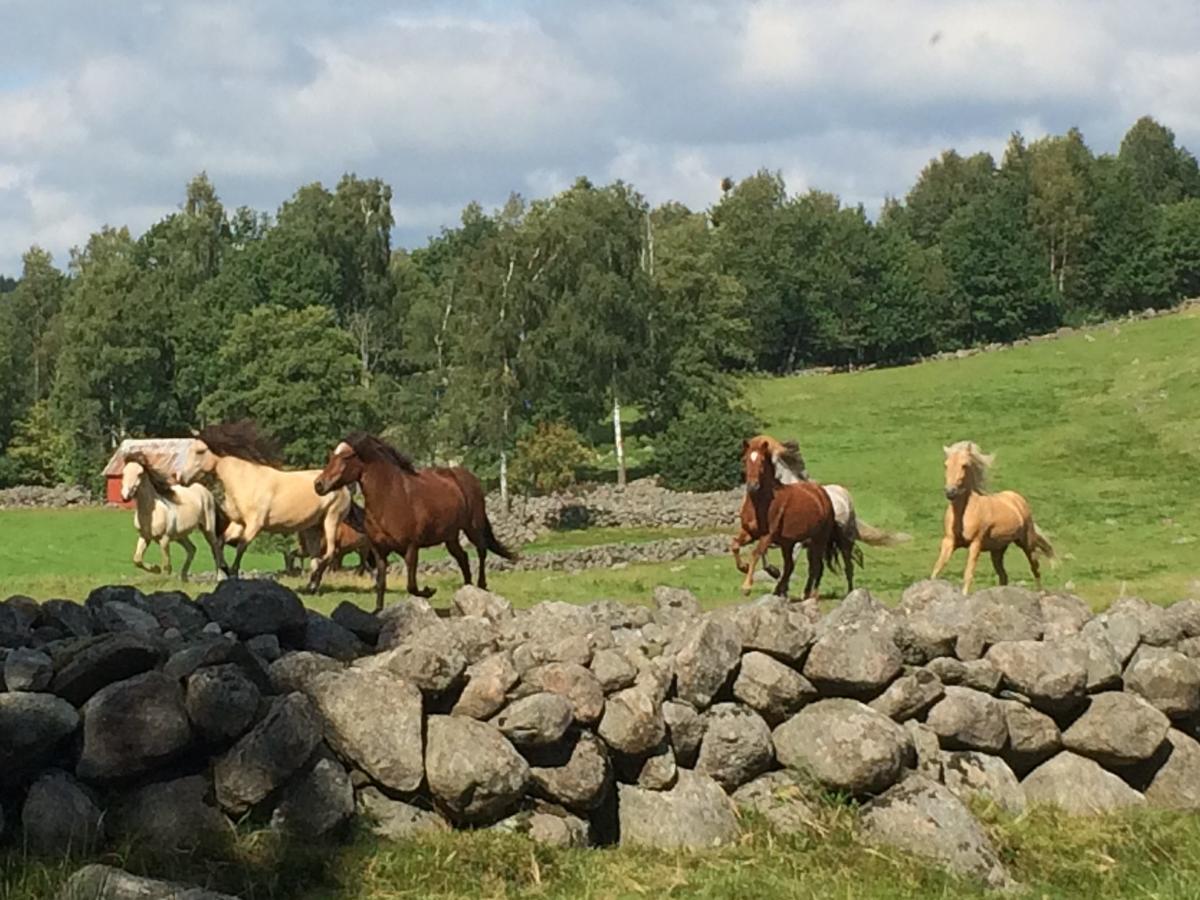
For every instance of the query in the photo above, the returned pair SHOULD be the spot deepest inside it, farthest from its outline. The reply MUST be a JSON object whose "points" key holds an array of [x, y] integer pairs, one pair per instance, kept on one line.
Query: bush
{"points": [[702, 449], [548, 458]]}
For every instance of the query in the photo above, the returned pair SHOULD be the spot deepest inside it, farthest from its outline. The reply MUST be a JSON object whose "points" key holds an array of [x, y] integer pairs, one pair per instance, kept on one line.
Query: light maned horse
{"points": [[259, 495], [981, 521], [407, 509], [166, 512], [789, 469], [787, 515]]}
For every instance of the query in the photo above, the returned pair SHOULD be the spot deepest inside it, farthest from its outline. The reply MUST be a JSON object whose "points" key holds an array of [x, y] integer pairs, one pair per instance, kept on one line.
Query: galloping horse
{"points": [[407, 509], [166, 512], [351, 538], [259, 496], [980, 521], [789, 469], [787, 514]]}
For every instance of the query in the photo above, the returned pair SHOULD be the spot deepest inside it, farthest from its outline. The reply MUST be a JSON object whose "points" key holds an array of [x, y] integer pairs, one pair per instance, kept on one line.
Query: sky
{"points": [[108, 109]]}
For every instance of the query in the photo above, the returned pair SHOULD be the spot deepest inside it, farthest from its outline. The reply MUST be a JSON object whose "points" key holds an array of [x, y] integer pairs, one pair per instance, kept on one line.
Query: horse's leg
{"points": [[998, 565], [410, 564], [848, 558], [944, 556], [164, 544], [789, 566], [140, 551], [460, 557], [816, 568], [481, 548], [189, 550], [1033, 565], [740, 540], [973, 551], [217, 545], [380, 579], [250, 531], [757, 553]]}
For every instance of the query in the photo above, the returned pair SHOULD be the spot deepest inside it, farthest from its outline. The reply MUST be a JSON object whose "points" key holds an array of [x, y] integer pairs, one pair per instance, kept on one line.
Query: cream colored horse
{"points": [[259, 496], [981, 521], [167, 512]]}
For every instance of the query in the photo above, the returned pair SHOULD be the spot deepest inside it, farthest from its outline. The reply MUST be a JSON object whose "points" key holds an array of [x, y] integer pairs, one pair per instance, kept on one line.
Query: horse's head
{"points": [[198, 461], [131, 479], [344, 467], [758, 468], [965, 468]]}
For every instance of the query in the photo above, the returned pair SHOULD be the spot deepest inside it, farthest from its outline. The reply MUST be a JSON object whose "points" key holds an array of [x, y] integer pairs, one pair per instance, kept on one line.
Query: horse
{"points": [[787, 514], [351, 538], [789, 469], [407, 509], [981, 521], [259, 495], [166, 512]]}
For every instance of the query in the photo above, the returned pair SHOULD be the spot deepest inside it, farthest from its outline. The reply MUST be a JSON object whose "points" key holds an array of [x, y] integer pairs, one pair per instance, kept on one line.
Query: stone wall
{"points": [[55, 497], [131, 714]]}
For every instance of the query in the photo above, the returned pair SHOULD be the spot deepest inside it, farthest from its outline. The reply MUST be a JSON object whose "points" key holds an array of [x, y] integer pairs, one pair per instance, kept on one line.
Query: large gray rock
{"points": [[89, 664], [972, 775], [474, 773], [488, 683], [926, 819], [432, 669], [783, 799], [1032, 737], [403, 620], [613, 670], [736, 747], [855, 654], [474, 601], [115, 617], [296, 671], [674, 607], [1167, 678], [1103, 664], [845, 745], [772, 689], [558, 829], [1063, 615], [175, 609], [1156, 627], [355, 619], [694, 814], [632, 722], [317, 802], [685, 731], [978, 674], [250, 606], [1183, 618], [396, 820], [133, 726], [707, 656], [1117, 729], [537, 720], [1079, 786], [1122, 631], [774, 626], [32, 727], [268, 756], [61, 817], [100, 882], [174, 815], [325, 636], [926, 748], [1176, 784], [572, 681], [575, 772], [221, 702], [71, 618], [910, 695], [939, 621], [965, 719], [26, 669], [1052, 674], [373, 719]]}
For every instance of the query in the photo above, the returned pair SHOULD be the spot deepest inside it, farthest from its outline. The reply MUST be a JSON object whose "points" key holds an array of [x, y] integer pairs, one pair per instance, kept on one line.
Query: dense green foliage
{"points": [[567, 308], [549, 458], [702, 449]]}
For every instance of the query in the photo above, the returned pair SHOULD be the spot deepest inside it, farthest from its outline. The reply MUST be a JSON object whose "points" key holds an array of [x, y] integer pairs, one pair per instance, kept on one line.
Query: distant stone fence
{"points": [[24, 496]]}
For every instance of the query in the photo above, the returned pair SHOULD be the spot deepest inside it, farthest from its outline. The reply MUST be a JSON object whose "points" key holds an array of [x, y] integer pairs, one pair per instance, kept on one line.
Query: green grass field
{"points": [[1100, 431]]}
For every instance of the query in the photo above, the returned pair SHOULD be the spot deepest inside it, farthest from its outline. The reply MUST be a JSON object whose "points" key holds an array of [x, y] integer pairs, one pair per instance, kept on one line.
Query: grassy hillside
{"points": [[1099, 430]]}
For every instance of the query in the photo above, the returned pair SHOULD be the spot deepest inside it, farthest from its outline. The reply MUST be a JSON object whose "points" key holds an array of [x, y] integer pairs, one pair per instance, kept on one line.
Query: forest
{"points": [[514, 340]]}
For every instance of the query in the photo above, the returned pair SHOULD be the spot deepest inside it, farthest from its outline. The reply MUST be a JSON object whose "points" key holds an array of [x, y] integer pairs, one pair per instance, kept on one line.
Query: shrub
{"points": [[548, 458], [702, 449]]}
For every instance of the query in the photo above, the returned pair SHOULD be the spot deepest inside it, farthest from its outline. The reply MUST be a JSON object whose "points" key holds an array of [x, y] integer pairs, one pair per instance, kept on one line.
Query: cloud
{"points": [[106, 112]]}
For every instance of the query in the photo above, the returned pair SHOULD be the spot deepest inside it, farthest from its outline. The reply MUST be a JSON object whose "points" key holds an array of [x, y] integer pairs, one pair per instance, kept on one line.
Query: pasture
{"points": [[1100, 430]]}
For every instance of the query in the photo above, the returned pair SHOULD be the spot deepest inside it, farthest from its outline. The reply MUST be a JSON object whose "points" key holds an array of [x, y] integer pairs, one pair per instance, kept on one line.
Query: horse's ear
{"points": [[745, 445], [945, 450], [792, 445]]}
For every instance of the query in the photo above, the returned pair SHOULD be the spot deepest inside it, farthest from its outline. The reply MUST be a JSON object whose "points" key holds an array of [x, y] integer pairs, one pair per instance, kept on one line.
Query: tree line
{"points": [[566, 310]]}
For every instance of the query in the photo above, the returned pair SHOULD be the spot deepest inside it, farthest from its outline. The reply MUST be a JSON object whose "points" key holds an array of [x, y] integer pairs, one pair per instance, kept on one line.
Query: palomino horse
{"points": [[789, 469], [166, 512], [787, 515], [980, 521], [407, 509], [259, 496]]}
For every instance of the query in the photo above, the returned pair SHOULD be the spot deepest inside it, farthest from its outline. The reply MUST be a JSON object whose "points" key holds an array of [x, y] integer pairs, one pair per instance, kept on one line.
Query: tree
{"points": [[1161, 172], [912, 311], [296, 373], [40, 453], [1180, 242], [1060, 193], [548, 458], [31, 311], [944, 186]]}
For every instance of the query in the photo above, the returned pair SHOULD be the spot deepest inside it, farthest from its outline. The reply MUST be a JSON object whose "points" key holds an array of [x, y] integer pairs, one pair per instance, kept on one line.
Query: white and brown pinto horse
{"points": [[167, 512], [262, 497]]}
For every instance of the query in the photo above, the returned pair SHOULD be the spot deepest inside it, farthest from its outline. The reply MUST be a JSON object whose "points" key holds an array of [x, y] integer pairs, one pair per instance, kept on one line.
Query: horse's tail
{"points": [[493, 542], [1043, 546], [833, 546], [878, 537]]}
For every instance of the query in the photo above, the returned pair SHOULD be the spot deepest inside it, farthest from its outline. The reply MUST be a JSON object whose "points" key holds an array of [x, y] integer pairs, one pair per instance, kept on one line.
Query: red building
{"points": [[165, 454]]}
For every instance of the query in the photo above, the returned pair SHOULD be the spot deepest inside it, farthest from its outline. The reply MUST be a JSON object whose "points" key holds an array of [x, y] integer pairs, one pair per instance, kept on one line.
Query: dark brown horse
{"points": [[407, 509], [784, 515]]}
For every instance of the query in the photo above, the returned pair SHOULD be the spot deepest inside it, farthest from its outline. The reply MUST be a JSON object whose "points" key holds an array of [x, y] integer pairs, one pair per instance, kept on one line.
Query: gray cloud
{"points": [[107, 110]]}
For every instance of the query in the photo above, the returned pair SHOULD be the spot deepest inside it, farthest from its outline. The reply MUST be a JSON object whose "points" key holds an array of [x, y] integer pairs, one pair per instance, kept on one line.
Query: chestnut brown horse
{"points": [[407, 509], [785, 515]]}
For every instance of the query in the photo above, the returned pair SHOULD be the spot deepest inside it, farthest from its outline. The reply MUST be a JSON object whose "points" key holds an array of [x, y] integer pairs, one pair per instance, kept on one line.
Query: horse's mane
{"points": [[371, 449], [162, 486], [978, 462], [243, 440], [789, 464]]}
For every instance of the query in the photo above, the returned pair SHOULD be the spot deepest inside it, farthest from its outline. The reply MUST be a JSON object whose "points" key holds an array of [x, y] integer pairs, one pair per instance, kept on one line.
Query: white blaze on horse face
{"points": [[131, 476], [343, 449], [753, 456]]}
